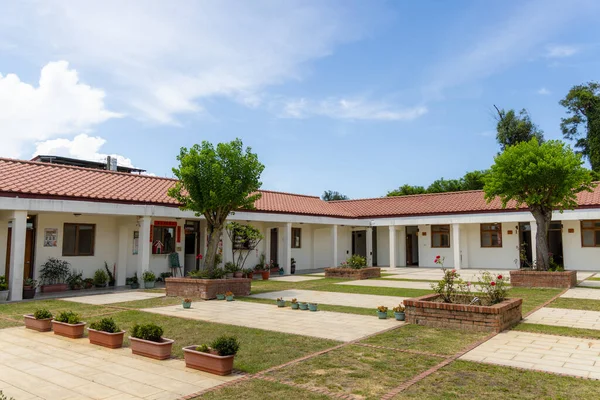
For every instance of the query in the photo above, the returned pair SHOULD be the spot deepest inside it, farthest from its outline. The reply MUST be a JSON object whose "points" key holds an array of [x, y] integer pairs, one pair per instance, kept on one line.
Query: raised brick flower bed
{"points": [[207, 289], [352, 273], [545, 279], [426, 311]]}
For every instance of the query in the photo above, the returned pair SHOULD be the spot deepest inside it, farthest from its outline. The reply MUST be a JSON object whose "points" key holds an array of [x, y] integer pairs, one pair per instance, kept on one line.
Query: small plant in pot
{"points": [[149, 279], [187, 303], [88, 283], [312, 306], [229, 296], [382, 312], [248, 273], [100, 278], [281, 271], [53, 275], [3, 288], [399, 313], [40, 320], [146, 340], [75, 280], [220, 296], [280, 302], [134, 282], [216, 359], [295, 304], [29, 287], [68, 324], [106, 333], [303, 306], [230, 269]]}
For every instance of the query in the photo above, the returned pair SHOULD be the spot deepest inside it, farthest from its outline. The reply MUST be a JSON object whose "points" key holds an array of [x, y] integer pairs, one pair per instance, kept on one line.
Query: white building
{"points": [[90, 216]]}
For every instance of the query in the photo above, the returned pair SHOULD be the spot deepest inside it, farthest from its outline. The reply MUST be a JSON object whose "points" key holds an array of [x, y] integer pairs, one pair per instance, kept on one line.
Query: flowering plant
{"points": [[382, 309], [228, 293], [451, 286], [294, 300], [399, 308], [187, 300], [280, 299], [199, 257], [494, 286]]}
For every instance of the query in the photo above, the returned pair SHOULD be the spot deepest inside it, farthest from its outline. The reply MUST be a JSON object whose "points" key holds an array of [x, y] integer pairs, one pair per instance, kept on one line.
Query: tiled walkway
{"points": [[322, 324], [434, 274], [295, 278], [111, 298], [37, 365], [593, 284], [391, 284], [339, 299], [582, 293], [565, 355], [565, 317]]}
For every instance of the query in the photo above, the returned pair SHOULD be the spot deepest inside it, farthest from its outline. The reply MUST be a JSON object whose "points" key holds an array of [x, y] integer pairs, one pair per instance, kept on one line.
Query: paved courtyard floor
{"points": [[338, 299], [565, 317], [435, 274], [37, 365], [322, 324], [582, 293], [565, 355], [592, 284], [111, 298], [387, 283]]}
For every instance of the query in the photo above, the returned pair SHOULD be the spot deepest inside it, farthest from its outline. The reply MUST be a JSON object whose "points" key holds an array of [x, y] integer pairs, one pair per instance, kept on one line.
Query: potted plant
{"points": [[68, 324], [149, 278], [106, 333], [134, 282], [187, 303], [295, 304], [3, 288], [258, 272], [280, 302], [293, 269], [382, 312], [146, 340], [220, 296], [75, 280], [230, 269], [303, 306], [53, 274], [273, 268], [265, 273], [229, 296], [399, 313], [312, 306], [88, 283], [281, 271], [248, 273], [100, 278], [29, 287], [40, 320], [111, 275], [216, 359]]}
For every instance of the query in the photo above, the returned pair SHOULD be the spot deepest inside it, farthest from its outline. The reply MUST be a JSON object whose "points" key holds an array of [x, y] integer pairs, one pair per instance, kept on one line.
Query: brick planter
{"points": [[544, 279], [207, 289], [424, 311], [351, 273]]}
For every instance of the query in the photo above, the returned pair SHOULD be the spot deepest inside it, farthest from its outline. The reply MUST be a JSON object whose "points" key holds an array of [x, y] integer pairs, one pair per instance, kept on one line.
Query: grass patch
{"points": [[17, 310], [593, 279], [259, 350], [274, 285], [382, 291], [9, 324], [575, 304], [558, 330], [322, 307], [532, 297], [357, 370], [469, 380], [256, 389], [431, 340]]}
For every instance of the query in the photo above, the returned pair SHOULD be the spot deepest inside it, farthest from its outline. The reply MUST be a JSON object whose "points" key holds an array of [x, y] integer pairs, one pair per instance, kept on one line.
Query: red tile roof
{"points": [[42, 180]]}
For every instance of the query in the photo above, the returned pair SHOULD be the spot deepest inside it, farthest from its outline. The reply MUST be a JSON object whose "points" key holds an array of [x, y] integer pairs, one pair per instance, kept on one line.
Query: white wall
{"points": [[427, 254], [383, 245], [575, 256], [490, 257], [323, 256]]}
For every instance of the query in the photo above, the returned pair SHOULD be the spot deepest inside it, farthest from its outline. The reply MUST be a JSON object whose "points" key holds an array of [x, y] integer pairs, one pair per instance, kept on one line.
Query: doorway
{"points": [[192, 246], [412, 246], [359, 243], [555, 243], [29, 249], [525, 253], [274, 253]]}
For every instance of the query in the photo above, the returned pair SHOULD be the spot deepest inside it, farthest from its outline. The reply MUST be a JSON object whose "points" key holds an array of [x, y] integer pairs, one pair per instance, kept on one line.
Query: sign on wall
{"points": [[136, 241], [50, 237]]}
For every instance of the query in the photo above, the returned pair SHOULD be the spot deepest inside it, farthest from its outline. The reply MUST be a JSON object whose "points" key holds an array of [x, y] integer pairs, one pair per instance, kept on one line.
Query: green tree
{"points": [[405, 190], [544, 177], [215, 183], [331, 195], [583, 105], [474, 180], [445, 185], [512, 128], [244, 239]]}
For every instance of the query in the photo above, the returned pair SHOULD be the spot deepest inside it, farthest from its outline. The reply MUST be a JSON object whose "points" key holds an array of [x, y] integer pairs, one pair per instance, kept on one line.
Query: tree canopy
{"points": [[583, 105], [470, 181], [330, 195], [543, 177], [512, 128]]}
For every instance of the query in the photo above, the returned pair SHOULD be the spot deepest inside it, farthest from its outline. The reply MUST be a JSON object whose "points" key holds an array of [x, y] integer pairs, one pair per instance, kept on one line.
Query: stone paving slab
{"points": [[391, 284], [111, 298], [321, 324], [559, 354], [565, 317], [592, 284], [338, 299], [295, 278], [37, 365], [582, 293]]}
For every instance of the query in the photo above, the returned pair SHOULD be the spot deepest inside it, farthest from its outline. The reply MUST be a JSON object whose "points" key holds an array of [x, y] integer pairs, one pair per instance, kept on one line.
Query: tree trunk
{"points": [[214, 237], [542, 254]]}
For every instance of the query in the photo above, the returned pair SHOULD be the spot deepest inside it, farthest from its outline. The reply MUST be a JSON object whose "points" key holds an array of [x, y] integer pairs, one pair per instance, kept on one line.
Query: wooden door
{"points": [[274, 245], [409, 249]]}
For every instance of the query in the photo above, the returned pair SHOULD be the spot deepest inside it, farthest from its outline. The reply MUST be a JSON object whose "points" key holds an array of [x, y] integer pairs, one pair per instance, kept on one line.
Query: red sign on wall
{"points": [[178, 234], [165, 223]]}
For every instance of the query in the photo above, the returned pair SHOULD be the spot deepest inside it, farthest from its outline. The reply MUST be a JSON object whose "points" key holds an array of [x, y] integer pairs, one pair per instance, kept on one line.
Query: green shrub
{"points": [[225, 345], [3, 283], [42, 313], [100, 277], [216, 273], [68, 317], [355, 261], [151, 332], [105, 325], [148, 276], [54, 271], [75, 279], [203, 348], [3, 396]]}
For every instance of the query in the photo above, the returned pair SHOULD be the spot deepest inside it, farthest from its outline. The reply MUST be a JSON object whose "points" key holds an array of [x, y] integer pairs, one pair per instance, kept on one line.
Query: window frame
{"points": [[296, 233], [490, 231], [161, 237], [594, 229], [76, 253], [440, 232]]}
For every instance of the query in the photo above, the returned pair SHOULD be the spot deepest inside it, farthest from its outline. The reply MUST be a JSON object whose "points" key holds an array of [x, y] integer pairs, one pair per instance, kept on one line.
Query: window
{"points": [[163, 239], [78, 239], [440, 235], [590, 233], [491, 235], [296, 238]]}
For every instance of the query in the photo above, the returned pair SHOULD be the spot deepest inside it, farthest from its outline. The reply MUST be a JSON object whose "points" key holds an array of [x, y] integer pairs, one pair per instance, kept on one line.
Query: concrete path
{"points": [[435, 274], [565, 355], [582, 293], [321, 324], [339, 299], [565, 317], [592, 284], [295, 278], [111, 298], [391, 284], [37, 365]]}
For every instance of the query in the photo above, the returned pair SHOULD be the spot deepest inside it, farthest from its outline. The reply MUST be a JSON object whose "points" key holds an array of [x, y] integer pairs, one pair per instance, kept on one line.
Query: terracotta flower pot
{"points": [[72, 331], [156, 350], [265, 275], [207, 362], [106, 339], [238, 274], [40, 325]]}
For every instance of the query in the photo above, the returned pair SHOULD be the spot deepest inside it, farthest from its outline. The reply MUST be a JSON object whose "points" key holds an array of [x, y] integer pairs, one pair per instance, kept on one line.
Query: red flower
{"points": [[199, 257], [499, 276], [437, 257], [453, 271], [493, 283]]}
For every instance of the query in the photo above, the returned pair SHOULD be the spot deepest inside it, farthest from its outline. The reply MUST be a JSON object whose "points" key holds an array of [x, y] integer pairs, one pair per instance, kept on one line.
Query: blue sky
{"points": [[355, 96]]}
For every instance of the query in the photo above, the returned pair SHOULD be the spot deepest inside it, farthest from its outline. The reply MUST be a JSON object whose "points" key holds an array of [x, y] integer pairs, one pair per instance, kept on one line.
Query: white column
{"points": [[456, 245], [533, 241], [334, 245], [145, 247], [369, 247], [17, 255], [392, 246], [122, 258], [287, 243]]}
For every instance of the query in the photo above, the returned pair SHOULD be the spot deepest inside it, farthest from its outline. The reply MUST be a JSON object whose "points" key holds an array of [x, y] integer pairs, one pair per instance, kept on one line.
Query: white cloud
{"points": [[59, 105], [349, 109], [543, 91], [561, 51]]}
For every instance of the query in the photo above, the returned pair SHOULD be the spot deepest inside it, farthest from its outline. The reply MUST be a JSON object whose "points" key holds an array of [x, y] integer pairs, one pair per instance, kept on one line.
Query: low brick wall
{"points": [[424, 311], [207, 289], [351, 273], [544, 279]]}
